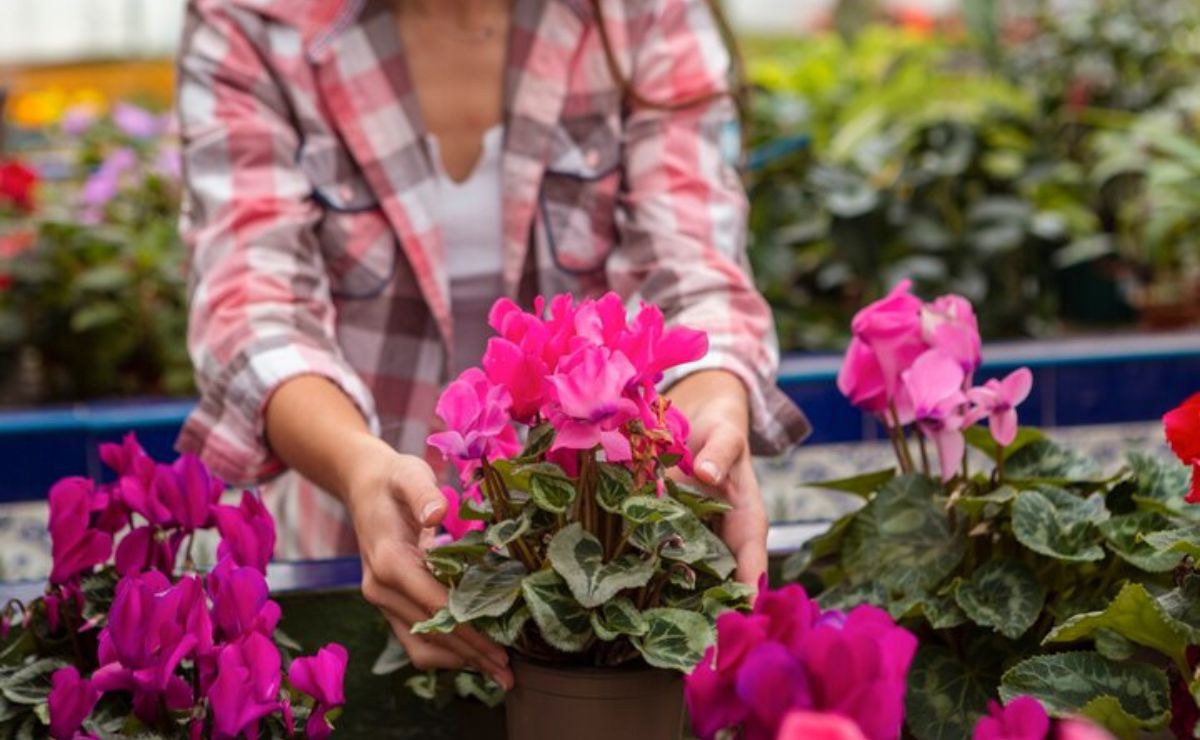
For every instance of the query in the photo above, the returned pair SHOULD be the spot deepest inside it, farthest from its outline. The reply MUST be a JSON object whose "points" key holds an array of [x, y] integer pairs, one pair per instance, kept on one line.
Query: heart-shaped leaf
{"points": [[1125, 533], [1059, 524], [1138, 617], [618, 617], [647, 509], [563, 623], [675, 638], [578, 557], [945, 696], [1065, 683], [1004, 595], [487, 589]]}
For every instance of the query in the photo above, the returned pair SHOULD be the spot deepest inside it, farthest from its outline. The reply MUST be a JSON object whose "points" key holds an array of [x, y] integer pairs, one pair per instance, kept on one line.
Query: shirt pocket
{"points": [[578, 198], [357, 242]]}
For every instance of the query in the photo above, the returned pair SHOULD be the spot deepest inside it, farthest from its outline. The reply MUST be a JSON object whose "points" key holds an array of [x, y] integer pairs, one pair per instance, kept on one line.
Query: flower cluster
{"points": [[1024, 718], [782, 670], [186, 648], [588, 371], [18, 185], [1182, 426], [913, 363]]}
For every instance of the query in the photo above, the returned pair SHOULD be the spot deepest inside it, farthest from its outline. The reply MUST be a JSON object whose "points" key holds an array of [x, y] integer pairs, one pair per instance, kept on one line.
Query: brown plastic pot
{"points": [[550, 703]]}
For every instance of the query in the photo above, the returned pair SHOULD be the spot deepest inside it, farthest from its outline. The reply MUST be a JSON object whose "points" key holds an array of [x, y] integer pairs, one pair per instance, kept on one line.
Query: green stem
{"points": [[1000, 463]]}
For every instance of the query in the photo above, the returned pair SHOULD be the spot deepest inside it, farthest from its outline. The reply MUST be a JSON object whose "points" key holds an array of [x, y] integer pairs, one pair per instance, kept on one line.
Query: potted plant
{"points": [[1039, 574], [131, 639], [576, 548]]}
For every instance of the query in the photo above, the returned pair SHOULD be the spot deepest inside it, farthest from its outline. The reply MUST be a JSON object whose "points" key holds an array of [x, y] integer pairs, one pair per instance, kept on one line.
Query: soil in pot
{"points": [[552, 702]]}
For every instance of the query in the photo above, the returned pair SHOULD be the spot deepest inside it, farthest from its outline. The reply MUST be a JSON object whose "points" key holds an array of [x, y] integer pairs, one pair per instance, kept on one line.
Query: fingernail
{"points": [[710, 471], [429, 510]]}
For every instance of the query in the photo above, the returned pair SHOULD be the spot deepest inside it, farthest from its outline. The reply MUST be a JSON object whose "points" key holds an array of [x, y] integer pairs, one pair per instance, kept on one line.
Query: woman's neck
{"points": [[464, 13]]}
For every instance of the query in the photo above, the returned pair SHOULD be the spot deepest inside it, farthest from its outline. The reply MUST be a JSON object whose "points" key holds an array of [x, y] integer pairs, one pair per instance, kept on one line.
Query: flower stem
{"points": [[1000, 463], [900, 441], [924, 453]]}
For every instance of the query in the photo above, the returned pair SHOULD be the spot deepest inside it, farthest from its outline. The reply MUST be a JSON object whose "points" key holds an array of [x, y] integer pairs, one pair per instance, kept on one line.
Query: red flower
{"points": [[1183, 433], [17, 185]]}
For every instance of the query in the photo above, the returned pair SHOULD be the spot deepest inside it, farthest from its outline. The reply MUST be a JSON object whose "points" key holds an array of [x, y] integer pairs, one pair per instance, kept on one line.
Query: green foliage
{"points": [[1063, 583], [590, 569]]}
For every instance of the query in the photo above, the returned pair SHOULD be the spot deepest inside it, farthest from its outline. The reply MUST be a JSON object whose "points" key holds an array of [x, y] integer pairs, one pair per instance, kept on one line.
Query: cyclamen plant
{"points": [[574, 545], [129, 641], [1044, 576]]}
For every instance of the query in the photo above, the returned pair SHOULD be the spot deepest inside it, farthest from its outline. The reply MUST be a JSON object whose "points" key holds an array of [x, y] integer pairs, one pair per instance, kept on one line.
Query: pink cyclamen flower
{"points": [[860, 379], [933, 397], [653, 348], [1023, 718], [1079, 729], [188, 491], [520, 370], [949, 324], [891, 329], [787, 655], [71, 700], [478, 424], [801, 725], [152, 627], [591, 404], [322, 677], [137, 122], [147, 548], [247, 532], [246, 688], [75, 546], [240, 601], [454, 525], [998, 401]]}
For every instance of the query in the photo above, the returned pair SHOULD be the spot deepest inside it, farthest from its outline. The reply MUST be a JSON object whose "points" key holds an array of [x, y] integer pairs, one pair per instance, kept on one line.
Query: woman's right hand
{"points": [[394, 504]]}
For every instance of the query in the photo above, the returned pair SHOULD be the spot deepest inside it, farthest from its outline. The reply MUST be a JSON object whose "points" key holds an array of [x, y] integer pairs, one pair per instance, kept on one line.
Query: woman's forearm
{"points": [[318, 431]]}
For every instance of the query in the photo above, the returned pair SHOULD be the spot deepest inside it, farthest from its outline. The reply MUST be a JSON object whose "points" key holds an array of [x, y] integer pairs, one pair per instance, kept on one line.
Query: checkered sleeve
{"points": [[260, 305], [683, 215]]}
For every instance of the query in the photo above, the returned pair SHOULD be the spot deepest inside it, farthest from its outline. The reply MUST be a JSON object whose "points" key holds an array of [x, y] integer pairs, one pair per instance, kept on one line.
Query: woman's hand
{"points": [[394, 504], [716, 404]]}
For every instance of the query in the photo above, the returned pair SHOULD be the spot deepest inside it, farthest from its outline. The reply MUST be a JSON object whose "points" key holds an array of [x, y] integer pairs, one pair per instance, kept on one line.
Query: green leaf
{"points": [[862, 485], [618, 617], [1179, 541], [981, 439], [675, 639], [475, 511], [846, 595], [726, 596], [424, 685], [563, 623], [96, 315], [943, 612], [506, 629], [1135, 615], [1113, 646], [441, 623], [1043, 459], [701, 505], [1056, 523], [647, 509], [687, 540], [1183, 605], [1125, 537], [551, 493], [1161, 483], [578, 557], [1107, 712], [469, 684], [1067, 682], [1004, 595], [500, 534], [614, 484], [977, 505], [30, 685], [945, 696], [487, 589], [538, 443], [815, 548], [902, 537]]}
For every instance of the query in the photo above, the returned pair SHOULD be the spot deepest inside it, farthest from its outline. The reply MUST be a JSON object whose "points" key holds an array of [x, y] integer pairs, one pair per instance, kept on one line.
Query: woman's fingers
{"points": [[415, 486], [720, 451], [745, 526], [423, 655]]}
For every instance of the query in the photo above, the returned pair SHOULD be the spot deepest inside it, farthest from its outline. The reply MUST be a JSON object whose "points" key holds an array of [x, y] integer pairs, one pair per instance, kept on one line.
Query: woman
{"points": [[365, 177]]}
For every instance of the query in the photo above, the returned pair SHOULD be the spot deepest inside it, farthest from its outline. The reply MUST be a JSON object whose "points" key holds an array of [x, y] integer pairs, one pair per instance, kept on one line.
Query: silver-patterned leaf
{"points": [[487, 589], [1004, 595], [578, 557], [646, 509], [618, 617], [551, 493], [1067, 682], [1124, 535], [675, 639], [1059, 524], [1135, 615], [506, 629], [441, 623], [563, 623]]}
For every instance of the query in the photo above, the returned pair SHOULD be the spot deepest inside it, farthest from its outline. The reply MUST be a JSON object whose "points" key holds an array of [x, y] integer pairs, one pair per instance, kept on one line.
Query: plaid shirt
{"points": [[312, 246]]}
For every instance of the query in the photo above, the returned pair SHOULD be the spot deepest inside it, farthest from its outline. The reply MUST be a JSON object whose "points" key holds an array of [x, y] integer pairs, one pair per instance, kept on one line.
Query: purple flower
{"points": [[137, 122], [188, 491], [152, 627], [71, 700], [788, 656], [240, 602], [246, 688], [75, 547], [247, 533], [78, 119], [321, 677], [104, 184]]}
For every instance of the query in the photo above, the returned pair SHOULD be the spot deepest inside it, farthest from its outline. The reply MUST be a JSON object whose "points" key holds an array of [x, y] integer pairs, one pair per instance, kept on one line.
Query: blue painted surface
{"points": [[1094, 380]]}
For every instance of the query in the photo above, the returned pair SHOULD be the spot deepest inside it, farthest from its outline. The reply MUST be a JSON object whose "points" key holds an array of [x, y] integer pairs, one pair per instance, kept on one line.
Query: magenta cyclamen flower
{"points": [[247, 532], [152, 627], [147, 548], [71, 700], [788, 656], [240, 601], [454, 525], [591, 401], [321, 677], [1023, 718], [949, 324], [891, 329], [998, 400], [74, 545], [246, 688], [475, 411], [653, 348], [188, 491], [801, 725]]}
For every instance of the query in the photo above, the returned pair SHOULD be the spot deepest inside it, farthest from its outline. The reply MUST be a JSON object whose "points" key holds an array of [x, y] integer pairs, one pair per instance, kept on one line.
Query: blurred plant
{"points": [[102, 265]]}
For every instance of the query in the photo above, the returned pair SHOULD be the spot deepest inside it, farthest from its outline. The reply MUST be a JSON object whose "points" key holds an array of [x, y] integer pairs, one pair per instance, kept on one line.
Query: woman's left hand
{"points": [[716, 404]]}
